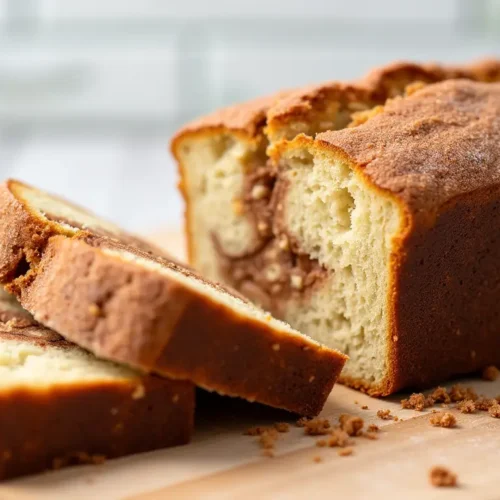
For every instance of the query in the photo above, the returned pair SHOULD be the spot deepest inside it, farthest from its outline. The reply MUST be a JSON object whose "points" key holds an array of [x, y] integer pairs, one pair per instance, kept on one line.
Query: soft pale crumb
{"points": [[385, 414], [282, 427], [440, 476], [443, 419], [490, 373], [494, 410], [351, 425], [373, 428], [364, 407], [345, 452], [317, 426], [317, 459], [466, 406]]}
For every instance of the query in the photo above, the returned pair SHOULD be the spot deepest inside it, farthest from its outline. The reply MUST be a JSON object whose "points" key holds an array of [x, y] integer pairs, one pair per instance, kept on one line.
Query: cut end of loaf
{"points": [[336, 217]]}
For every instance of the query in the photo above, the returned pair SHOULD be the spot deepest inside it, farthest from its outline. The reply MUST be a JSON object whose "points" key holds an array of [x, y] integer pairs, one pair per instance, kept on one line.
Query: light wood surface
{"points": [[223, 463]]}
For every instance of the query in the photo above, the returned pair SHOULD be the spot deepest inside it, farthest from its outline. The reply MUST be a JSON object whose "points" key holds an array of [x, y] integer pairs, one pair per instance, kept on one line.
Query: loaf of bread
{"points": [[128, 305], [346, 257], [60, 405]]}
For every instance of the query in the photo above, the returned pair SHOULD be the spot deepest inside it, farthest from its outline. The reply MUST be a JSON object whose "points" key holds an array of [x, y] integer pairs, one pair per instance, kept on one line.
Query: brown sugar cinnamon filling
{"points": [[275, 268]]}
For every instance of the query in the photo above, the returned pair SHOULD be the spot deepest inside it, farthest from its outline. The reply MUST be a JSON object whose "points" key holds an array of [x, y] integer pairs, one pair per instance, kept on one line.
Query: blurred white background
{"points": [[92, 90]]}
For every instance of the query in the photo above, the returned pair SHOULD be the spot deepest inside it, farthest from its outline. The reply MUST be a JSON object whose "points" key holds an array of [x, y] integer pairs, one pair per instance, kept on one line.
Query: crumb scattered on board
{"points": [[440, 476], [443, 419], [345, 452], [385, 414]]}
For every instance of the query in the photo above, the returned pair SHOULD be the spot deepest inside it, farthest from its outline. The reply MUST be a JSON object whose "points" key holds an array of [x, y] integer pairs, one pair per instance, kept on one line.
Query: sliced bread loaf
{"points": [[60, 405], [126, 305]]}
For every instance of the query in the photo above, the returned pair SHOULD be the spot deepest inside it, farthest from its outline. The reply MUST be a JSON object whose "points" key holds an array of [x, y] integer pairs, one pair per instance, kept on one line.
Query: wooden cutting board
{"points": [[223, 463]]}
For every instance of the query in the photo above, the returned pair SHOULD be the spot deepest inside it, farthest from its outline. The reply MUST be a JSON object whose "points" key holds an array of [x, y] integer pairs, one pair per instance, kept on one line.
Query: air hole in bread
{"points": [[23, 267]]}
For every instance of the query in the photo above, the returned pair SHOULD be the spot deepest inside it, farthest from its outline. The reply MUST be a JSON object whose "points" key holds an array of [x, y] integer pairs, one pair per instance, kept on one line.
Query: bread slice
{"points": [[146, 311], [402, 216], [60, 405], [227, 178]]}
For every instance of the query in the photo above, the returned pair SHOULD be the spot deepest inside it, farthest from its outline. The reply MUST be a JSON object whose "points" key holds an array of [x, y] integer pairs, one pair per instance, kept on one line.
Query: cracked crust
{"points": [[83, 422], [127, 312]]}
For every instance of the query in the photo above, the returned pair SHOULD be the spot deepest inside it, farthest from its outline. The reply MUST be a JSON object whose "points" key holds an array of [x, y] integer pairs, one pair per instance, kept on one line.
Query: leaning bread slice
{"points": [[402, 216], [60, 405], [123, 304]]}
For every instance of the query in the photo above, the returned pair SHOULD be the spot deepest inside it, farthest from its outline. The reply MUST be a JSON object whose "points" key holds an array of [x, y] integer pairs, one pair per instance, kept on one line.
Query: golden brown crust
{"points": [[245, 118], [437, 144], [47, 427], [42, 429], [122, 311], [376, 87]]}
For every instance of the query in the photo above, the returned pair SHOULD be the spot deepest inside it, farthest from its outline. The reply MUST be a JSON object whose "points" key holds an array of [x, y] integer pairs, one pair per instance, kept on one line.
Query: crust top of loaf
{"points": [[437, 144], [249, 117]]}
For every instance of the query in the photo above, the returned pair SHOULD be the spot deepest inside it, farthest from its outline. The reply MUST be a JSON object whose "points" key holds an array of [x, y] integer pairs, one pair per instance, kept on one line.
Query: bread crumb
{"points": [[338, 438], [373, 428], [317, 459], [443, 419], [417, 401], [276, 347], [440, 476], [483, 404], [458, 393], [351, 425], [255, 431], [320, 443], [385, 414], [494, 410], [370, 435], [114, 411], [466, 406], [139, 392], [440, 395], [282, 427], [364, 407], [175, 398], [345, 452], [490, 373], [317, 426], [268, 438]]}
